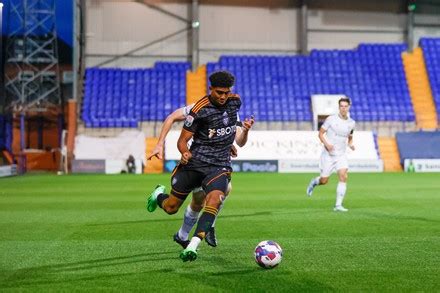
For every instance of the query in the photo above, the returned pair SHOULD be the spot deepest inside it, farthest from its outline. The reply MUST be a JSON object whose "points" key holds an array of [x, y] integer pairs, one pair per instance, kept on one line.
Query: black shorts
{"points": [[184, 180]]}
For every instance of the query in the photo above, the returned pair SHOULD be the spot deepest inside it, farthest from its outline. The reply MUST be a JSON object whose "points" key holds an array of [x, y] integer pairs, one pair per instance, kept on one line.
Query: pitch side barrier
{"points": [[109, 154], [288, 151], [419, 151]]}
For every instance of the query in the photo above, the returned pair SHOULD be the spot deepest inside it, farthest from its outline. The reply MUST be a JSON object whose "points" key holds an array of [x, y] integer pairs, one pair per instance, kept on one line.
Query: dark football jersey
{"points": [[214, 129]]}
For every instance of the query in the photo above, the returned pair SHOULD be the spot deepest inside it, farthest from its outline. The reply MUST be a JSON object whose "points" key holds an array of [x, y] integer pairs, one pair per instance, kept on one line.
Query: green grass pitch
{"points": [[92, 232]]}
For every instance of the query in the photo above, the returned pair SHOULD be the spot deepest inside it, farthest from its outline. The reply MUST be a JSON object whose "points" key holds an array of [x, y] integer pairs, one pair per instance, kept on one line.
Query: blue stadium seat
{"points": [[118, 97], [372, 75]]}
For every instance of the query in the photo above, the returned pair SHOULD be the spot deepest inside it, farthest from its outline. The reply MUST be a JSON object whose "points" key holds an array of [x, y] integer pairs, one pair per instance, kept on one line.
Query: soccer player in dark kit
{"points": [[212, 125]]}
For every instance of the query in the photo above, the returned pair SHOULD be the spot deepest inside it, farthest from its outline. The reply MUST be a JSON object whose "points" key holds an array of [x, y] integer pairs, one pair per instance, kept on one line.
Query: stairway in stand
{"points": [[389, 154], [419, 89]]}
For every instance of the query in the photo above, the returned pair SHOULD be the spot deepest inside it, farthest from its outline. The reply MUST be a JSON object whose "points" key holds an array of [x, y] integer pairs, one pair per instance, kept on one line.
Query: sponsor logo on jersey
{"points": [[222, 131], [189, 121], [211, 133], [225, 118]]}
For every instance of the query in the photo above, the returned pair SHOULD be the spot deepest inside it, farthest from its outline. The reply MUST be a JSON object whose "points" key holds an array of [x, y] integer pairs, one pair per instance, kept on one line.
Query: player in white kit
{"points": [[335, 134]]}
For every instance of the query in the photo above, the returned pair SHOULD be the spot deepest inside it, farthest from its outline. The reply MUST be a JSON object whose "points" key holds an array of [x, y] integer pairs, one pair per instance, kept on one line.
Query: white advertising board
{"points": [[9, 170], [111, 148], [423, 165], [308, 166], [286, 145]]}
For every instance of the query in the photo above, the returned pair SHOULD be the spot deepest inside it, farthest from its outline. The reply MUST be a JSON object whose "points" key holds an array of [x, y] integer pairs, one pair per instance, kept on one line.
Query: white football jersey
{"points": [[338, 130]]}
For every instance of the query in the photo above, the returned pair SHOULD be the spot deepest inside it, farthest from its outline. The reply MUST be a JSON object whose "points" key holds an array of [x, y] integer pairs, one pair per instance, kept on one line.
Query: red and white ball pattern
{"points": [[268, 254]]}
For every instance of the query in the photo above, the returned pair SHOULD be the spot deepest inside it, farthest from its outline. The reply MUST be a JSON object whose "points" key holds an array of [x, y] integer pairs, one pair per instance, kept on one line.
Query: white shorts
{"points": [[328, 164]]}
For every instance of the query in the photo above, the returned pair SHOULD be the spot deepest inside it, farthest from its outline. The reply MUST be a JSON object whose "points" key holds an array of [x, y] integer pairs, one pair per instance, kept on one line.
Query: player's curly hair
{"points": [[222, 79]]}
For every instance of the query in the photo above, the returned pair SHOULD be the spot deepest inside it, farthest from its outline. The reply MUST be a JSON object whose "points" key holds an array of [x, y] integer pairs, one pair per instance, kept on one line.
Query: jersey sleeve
{"points": [[191, 122], [326, 123], [187, 109]]}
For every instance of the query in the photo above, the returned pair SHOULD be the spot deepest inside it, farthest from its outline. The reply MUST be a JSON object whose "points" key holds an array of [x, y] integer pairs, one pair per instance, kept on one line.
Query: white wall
{"points": [[115, 27], [350, 20], [246, 30]]}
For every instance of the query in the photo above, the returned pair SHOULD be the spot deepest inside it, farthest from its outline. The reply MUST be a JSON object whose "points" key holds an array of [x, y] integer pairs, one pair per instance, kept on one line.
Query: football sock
{"points": [[189, 220], [340, 192], [194, 243], [315, 181], [161, 198], [205, 221]]}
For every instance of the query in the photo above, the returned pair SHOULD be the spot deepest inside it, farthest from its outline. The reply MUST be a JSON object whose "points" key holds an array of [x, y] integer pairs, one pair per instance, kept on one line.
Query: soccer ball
{"points": [[268, 254]]}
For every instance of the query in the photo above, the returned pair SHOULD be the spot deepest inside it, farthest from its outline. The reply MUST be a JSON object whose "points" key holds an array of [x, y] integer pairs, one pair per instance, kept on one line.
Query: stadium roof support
{"points": [[32, 78], [79, 39], [303, 28], [410, 29], [195, 35]]}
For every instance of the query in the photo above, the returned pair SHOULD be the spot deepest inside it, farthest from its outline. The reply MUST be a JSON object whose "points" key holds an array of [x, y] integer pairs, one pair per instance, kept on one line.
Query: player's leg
{"points": [[190, 217], [211, 238], [342, 167], [326, 168], [182, 182], [215, 185]]}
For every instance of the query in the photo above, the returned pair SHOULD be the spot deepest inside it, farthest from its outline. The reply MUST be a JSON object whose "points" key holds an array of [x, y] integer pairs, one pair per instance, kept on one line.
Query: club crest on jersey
{"points": [[225, 119], [189, 121]]}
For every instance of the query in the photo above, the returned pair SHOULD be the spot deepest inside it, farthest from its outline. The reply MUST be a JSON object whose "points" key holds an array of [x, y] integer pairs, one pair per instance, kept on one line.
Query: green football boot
{"points": [[188, 255], [152, 199]]}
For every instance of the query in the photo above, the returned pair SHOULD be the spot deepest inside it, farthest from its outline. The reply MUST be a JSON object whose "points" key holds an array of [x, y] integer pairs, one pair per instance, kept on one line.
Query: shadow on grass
{"points": [[178, 219], [239, 276], [399, 217], [53, 274]]}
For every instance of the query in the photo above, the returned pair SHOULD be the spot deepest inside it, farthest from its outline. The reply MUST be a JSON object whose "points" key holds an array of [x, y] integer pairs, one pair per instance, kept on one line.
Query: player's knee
{"points": [[198, 198], [215, 198], [196, 206], [323, 180], [343, 177], [171, 208]]}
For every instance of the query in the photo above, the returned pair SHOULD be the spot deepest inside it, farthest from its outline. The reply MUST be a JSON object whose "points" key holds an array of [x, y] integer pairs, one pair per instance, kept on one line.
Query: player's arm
{"points": [[177, 115], [350, 140], [182, 146], [241, 135], [322, 138]]}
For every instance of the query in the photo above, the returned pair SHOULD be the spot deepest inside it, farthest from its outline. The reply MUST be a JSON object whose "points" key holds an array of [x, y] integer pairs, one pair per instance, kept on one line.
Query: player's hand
{"points": [[234, 152], [186, 156], [156, 152], [330, 148], [248, 122], [352, 147]]}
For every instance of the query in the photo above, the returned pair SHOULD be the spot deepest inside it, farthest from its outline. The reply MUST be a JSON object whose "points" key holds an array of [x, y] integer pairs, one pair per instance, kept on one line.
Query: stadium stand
{"points": [[278, 88], [419, 88], [431, 53], [116, 97], [196, 85], [418, 145], [389, 153]]}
